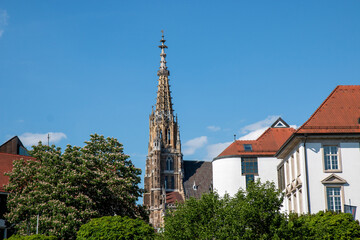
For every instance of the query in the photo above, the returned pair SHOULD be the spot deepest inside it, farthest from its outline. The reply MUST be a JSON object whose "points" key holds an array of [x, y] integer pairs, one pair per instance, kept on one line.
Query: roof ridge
{"points": [[318, 109]]}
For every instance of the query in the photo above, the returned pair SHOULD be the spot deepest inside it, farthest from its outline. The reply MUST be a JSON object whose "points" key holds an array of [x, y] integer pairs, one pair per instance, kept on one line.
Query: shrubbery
{"points": [[116, 227], [32, 237]]}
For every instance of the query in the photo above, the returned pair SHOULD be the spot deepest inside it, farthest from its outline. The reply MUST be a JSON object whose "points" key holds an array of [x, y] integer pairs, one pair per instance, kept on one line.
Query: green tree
{"points": [[68, 189], [251, 214], [115, 227], [322, 225]]}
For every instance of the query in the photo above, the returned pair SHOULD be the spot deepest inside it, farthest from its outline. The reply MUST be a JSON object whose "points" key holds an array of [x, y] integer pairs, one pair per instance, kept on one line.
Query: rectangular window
{"points": [[249, 165], [249, 178], [281, 178], [333, 198], [247, 147], [331, 157]]}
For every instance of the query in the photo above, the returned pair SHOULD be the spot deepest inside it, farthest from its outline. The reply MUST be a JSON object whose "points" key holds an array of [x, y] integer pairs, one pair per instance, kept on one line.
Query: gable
{"points": [[280, 123], [333, 179]]}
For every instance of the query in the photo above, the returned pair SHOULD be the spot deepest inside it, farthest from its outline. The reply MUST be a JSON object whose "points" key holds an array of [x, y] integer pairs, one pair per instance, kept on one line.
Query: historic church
{"points": [[168, 178]]}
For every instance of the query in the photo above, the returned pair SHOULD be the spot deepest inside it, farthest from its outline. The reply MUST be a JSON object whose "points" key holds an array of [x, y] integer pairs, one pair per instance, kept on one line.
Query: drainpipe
{"points": [[307, 176]]}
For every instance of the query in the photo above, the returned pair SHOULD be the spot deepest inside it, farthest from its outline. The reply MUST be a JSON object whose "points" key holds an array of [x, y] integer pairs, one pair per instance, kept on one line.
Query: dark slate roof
{"points": [[197, 178]]}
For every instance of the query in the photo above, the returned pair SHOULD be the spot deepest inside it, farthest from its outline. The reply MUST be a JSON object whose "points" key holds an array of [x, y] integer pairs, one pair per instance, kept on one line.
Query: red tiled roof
{"points": [[266, 145], [6, 165], [339, 113], [173, 197]]}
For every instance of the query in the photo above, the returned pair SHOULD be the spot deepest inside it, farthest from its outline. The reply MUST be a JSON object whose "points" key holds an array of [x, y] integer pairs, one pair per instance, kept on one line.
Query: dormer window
{"points": [[248, 147]]}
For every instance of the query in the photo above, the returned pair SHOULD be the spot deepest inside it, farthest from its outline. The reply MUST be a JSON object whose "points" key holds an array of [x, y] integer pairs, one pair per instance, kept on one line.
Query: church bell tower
{"points": [[164, 164]]}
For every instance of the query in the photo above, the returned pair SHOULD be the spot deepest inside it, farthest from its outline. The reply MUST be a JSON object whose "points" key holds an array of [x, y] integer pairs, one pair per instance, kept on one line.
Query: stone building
{"points": [[168, 179]]}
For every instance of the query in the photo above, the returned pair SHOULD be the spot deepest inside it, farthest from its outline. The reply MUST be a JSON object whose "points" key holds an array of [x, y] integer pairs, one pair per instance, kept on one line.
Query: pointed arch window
{"points": [[168, 136], [169, 164]]}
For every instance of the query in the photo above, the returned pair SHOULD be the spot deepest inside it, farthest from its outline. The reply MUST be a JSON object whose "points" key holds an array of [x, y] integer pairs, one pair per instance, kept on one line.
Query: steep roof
{"points": [[266, 145], [197, 178], [6, 165], [173, 197], [339, 113]]}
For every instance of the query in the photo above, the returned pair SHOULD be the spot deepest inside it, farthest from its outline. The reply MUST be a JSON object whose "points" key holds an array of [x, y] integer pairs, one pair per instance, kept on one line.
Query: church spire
{"points": [[163, 101]]}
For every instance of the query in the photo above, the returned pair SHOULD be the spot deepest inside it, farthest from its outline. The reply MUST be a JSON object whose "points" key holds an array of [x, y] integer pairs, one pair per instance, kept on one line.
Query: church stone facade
{"points": [[164, 163]]}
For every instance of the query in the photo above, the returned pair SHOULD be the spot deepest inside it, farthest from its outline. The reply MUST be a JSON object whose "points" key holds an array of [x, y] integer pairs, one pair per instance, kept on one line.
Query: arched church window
{"points": [[168, 136], [169, 164]]}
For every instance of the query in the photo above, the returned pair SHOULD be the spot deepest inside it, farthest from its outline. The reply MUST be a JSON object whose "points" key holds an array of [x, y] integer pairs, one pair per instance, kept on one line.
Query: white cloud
{"points": [[260, 124], [250, 132], [213, 128], [29, 139], [192, 145], [253, 135], [3, 20], [214, 150]]}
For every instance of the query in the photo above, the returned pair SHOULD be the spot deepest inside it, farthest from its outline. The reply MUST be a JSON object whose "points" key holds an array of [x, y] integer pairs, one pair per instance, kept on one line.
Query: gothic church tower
{"points": [[164, 164]]}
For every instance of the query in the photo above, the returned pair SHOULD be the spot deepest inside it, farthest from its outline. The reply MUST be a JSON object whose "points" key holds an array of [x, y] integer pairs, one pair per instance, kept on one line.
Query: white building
{"points": [[320, 162], [243, 161]]}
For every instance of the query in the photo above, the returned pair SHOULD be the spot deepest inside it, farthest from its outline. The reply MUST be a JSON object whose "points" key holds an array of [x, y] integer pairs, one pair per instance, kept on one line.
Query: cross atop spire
{"points": [[163, 68]]}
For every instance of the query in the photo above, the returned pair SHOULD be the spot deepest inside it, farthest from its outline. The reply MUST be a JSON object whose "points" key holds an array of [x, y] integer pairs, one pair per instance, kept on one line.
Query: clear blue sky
{"points": [[82, 67]]}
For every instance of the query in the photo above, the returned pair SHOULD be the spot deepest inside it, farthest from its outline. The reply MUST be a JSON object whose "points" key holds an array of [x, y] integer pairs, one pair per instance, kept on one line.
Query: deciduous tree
{"points": [[67, 189]]}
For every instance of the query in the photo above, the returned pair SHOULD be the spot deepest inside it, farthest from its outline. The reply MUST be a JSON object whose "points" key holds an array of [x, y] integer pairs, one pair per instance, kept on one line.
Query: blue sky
{"points": [[79, 67]]}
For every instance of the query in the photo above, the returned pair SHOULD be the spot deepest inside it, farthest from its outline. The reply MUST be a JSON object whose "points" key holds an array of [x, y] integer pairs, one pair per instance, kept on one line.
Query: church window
{"points": [[172, 182], [248, 147], [169, 164], [249, 165], [168, 136], [166, 182]]}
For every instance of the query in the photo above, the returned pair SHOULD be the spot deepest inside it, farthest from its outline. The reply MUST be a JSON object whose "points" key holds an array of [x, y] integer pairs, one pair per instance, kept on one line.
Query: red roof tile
{"points": [[6, 165], [173, 197], [339, 113], [266, 145]]}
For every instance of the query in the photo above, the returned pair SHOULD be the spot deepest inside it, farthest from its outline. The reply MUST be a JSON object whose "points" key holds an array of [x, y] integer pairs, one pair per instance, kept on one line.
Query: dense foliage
{"points": [[32, 237], [323, 225], [115, 227], [68, 189], [251, 214]]}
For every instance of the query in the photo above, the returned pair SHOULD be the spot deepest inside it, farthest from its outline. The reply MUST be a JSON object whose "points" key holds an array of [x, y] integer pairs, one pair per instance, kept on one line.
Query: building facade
{"points": [[320, 162], [248, 160]]}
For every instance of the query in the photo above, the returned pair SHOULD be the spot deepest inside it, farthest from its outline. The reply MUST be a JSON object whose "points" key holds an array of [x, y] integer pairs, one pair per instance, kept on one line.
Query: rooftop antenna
{"points": [[48, 139]]}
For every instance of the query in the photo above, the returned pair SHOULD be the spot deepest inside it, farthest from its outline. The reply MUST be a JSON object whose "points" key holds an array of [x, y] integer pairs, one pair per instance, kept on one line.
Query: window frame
{"points": [[338, 154], [342, 197], [243, 161]]}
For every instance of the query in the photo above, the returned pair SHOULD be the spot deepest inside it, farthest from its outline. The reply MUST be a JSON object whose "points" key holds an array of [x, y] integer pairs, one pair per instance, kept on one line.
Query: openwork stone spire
{"points": [[163, 180], [163, 68], [163, 101]]}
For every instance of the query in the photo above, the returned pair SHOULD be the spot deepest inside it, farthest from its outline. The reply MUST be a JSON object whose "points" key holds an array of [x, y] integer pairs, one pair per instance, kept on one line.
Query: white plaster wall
{"points": [[267, 169], [350, 157], [350, 160], [316, 175], [227, 176]]}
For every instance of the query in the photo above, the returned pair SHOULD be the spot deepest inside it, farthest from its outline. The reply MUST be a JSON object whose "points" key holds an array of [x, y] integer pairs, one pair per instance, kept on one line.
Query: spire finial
{"points": [[163, 68]]}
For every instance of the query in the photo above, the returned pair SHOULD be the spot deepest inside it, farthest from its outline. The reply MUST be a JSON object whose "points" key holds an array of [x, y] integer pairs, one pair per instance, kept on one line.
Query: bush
{"points": [[32, 237], [322, 225], [115, 227]]}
